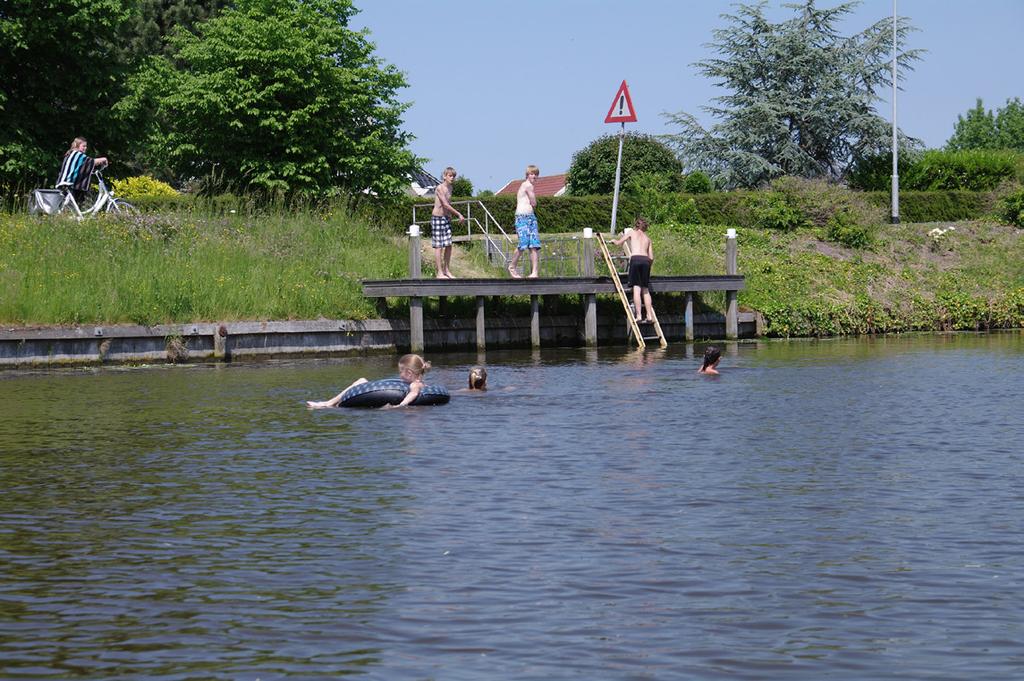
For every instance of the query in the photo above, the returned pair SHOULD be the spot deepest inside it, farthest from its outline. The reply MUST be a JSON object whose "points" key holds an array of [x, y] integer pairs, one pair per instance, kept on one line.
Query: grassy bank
{"points": [[970, 277], [184, 267], [155, 269]]}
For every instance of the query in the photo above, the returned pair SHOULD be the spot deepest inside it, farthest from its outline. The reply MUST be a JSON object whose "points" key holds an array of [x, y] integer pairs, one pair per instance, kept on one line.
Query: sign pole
{"points": [[621, 111], [618, 174]]}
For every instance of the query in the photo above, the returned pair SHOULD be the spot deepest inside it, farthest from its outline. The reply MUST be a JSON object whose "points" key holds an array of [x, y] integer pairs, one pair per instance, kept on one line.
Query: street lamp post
{"points": [[895, 217]]}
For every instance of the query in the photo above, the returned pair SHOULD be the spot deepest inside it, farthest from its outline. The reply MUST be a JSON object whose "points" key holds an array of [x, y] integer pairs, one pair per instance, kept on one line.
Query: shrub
{"points": [[1011, 208], [820, 201], [643, 183], [810, 203], [843, 228], [934, 206], [592, 170], [697, 183], [771, 210], [682, 209], [874, 173], [132, 188], [655, 201], [462, 186], [975, 170]]}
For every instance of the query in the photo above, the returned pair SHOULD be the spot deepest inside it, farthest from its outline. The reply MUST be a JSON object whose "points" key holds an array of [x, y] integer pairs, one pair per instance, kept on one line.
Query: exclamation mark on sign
{"points": [[622, 102]]}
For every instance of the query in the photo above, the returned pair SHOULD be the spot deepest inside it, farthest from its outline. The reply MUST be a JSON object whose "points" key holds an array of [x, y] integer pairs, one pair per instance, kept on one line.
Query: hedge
{"points": [[573, 213], [940, 170], [936, 206]]}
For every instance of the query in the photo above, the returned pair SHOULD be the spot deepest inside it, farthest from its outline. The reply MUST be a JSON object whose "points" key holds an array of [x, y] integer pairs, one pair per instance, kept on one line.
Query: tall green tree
{"points": [[274, 95], [61, 65], [980, 128], [801, 96], [592, 170], [1010, 125], [462, 186], [155, 20], [974, 130]]}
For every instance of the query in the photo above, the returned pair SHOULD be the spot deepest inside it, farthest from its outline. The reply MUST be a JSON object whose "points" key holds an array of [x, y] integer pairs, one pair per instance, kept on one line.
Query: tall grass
{"points": [[907, 280], [306, 262], [154, 269]]}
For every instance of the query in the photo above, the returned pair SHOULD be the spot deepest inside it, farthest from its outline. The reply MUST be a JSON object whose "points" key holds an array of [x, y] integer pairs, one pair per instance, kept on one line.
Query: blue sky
{"points": [[495, 86]]}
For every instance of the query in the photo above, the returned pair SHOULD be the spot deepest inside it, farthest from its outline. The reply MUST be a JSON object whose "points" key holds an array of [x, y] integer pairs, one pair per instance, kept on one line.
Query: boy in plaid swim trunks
{"points": [[526, 224], [441, 224]]}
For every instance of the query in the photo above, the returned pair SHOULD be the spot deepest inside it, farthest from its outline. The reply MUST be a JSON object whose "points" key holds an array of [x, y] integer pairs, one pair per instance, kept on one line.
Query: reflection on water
{"points": [[842, 509]]}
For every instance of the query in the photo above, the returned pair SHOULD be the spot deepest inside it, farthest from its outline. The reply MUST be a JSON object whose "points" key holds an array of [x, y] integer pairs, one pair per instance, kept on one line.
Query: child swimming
{"points": [[712, 356], [410, 369], [478, 378]]}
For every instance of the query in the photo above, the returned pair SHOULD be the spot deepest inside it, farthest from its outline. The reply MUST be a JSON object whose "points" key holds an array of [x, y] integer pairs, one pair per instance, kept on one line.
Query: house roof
{"points": [[421, 183], [545, 185], [424, 179]]}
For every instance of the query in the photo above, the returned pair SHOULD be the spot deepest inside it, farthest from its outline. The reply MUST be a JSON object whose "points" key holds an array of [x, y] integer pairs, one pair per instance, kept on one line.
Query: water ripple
{"points": [[845, 510]]}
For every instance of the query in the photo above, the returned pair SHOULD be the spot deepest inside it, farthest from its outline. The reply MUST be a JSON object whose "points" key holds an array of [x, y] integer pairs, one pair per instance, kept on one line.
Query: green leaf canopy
{"points": [[276, 96], [981, 129], [60, 66], [592, 170]]}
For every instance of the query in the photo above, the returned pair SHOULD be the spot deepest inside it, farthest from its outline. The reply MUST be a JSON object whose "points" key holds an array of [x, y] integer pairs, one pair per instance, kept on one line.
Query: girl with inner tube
{"points": [[410, 369]]}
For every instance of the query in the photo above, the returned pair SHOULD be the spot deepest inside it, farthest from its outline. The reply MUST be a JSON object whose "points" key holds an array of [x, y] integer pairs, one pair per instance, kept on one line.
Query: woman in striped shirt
{"points": [[77, 168]]}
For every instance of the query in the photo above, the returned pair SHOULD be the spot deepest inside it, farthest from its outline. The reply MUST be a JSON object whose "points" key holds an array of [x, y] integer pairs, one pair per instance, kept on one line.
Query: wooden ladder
{"points": [[634, 327]]}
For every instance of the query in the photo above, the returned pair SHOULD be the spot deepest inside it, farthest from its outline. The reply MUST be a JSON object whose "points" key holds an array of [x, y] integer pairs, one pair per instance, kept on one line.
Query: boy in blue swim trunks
{"points": [[526, 225]]}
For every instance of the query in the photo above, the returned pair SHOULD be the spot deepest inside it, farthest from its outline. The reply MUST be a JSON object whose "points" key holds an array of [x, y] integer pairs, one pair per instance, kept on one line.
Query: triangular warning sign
{"points": [[621, 110]]}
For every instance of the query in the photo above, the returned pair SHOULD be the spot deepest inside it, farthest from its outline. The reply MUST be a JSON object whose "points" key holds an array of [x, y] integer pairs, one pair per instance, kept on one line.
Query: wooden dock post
{"points": [[415, 303], [535, 321], [688, 316], [590, 299], [731, 304], [481, 330]]}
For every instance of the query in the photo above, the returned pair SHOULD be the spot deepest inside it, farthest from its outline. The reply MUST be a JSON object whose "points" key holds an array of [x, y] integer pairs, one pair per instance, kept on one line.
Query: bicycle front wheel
{"points": [[122, 207]]}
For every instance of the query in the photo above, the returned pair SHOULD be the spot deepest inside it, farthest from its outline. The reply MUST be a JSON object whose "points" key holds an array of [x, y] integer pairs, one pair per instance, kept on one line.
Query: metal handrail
{"points": [[560, 252], [492, 246]]}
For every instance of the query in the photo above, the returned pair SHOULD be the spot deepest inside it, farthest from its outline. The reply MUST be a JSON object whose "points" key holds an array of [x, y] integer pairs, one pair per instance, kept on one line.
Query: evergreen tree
{"points": [[801, 96], [274, 95]]}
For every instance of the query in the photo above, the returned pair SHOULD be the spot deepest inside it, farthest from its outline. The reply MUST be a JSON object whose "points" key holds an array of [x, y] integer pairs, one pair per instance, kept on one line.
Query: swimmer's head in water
{"points": [[478, 378], [414, 365], [711, 355]]}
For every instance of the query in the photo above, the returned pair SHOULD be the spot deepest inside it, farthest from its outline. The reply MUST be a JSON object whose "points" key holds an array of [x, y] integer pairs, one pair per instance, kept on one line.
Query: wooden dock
{"points": [[416, 288], [409, 288]]}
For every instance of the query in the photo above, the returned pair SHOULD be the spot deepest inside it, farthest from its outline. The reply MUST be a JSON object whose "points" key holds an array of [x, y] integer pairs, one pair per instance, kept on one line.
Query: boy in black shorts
{"points": [[640, 260]]}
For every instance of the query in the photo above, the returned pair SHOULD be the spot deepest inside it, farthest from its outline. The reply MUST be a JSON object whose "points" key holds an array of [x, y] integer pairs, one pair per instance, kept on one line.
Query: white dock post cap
{"points": [[588, 233], [730, 233], [414, 230]]}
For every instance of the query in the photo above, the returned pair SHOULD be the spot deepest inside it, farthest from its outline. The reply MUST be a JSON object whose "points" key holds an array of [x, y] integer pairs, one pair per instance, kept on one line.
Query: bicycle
{"points": [[62, 200]]}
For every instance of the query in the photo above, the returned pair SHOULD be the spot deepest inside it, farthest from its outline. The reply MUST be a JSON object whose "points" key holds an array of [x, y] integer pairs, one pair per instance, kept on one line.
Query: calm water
{"points": [[847, 509]]}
